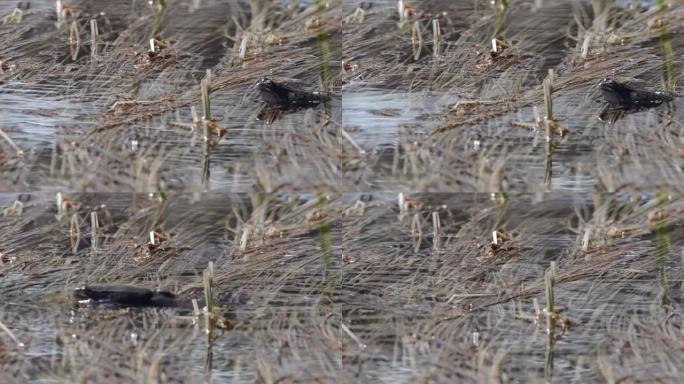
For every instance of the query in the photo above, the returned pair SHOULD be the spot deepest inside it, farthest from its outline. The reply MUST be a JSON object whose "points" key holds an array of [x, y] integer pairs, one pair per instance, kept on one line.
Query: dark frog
{"points": [[124, 296], [284, 97], [625, 97]]}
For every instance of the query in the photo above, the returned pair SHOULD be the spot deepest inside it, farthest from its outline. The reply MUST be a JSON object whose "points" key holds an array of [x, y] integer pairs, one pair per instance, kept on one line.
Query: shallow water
{"points": [[34, 115], [377, 118], [323, 274]]}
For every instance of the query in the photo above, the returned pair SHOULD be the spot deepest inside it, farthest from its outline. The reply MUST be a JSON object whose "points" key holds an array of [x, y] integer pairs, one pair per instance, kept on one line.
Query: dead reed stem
{"points": [[94, 38]]}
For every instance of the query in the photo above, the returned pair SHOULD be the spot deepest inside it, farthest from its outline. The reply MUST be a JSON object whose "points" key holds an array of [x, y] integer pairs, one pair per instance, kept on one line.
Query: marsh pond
{"points": [[341, 191]]}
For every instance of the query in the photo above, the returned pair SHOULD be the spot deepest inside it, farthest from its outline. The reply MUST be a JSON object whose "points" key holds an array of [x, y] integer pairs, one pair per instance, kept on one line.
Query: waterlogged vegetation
{"points": [[280, 191]]}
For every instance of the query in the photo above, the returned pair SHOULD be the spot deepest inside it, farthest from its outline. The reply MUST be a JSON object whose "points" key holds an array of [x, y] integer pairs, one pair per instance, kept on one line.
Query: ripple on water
{"points": [[32, 117], [376, 117]]}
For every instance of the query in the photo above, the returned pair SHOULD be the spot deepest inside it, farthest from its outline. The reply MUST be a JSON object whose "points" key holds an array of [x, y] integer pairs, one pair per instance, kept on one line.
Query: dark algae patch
{"points": [[341, 191]]}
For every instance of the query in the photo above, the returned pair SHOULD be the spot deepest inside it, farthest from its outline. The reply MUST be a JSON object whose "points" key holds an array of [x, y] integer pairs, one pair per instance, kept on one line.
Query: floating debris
{"points": [[15, 17], [157, 56], [4, 67]]}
